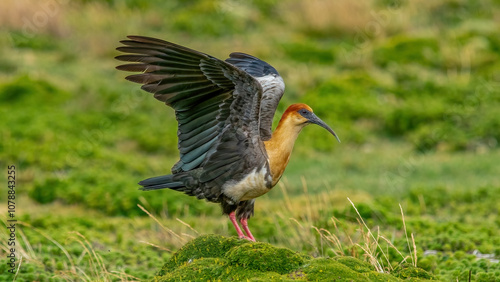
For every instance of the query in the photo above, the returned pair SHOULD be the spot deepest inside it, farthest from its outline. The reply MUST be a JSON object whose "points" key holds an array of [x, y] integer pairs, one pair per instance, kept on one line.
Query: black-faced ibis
{"points": [[228, 152]]}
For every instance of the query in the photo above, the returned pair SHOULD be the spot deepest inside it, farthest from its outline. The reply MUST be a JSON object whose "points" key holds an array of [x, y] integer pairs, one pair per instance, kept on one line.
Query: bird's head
{"points": [[302, 115]]}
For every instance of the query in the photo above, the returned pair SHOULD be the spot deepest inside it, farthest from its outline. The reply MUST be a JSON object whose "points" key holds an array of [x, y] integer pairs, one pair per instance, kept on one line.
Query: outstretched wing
{"points": [[272, 84], [216, 104]]}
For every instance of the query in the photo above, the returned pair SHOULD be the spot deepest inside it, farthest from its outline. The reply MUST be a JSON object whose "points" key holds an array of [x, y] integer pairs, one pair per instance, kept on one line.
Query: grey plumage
{"points": [[224, 110], [271, 82]]}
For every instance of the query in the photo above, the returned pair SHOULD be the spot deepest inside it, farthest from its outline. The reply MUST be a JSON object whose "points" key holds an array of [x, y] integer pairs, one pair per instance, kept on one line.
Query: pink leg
{"points": [[232, 217], [244, 224]]}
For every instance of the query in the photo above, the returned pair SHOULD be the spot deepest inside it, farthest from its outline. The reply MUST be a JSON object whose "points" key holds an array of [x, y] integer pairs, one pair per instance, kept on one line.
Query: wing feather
{"points": [[190, 155], [210, 126], [272, 85], [208, 111], [166, 70], [217, 106], [159, 52], [192, 143]]}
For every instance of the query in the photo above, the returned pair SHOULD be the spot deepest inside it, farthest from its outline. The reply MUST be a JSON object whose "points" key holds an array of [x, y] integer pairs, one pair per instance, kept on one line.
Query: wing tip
{"points": [[147, 39]]}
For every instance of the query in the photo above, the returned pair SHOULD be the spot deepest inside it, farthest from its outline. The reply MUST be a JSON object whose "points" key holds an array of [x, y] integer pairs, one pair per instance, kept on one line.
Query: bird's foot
{"points": [[232, 217], [247, 238], [244, 224]]}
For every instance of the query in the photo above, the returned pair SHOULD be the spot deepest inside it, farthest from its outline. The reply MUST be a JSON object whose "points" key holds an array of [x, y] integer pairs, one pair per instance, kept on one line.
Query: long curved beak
{"points": [[316, 120]]}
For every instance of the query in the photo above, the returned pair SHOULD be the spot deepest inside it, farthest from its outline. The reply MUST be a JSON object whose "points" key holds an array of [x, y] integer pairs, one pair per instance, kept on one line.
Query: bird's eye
{"points": [[303, 111]]}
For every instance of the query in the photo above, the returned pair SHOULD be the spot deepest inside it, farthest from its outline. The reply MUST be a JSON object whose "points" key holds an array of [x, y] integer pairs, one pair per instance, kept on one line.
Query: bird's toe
{"points": [[247, 238]]}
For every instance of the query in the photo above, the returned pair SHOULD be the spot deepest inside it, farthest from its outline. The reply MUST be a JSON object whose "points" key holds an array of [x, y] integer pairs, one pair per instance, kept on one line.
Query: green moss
{"points": [[407, 271], [265, 257], [206, 246], [355, 264], [198, 270], [327, 269], [241, 273], [214, 257]]}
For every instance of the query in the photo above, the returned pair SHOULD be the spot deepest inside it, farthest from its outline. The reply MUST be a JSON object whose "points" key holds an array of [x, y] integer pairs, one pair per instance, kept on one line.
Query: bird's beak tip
{"points": [[321, 123], [335, 134]]}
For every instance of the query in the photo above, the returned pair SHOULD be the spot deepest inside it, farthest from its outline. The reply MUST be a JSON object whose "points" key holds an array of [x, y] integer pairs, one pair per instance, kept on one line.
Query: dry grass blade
{"points": [[414, 249], [83, 274], [334, 240], [394, 247], [370, 233], [288, 204], [92, 255], [97, 266], [162, 226], [305, 235], [18, 267], [156, 246], [188, 236], [321, 237], [189, 226], [70, 259], [373, 260], [296, 221], [413, 262], [308, 198], [30, 250], [124, 276]]}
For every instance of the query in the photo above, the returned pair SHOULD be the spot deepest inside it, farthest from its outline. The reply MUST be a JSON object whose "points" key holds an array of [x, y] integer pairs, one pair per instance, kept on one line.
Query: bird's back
{"points": [[272, 84]]}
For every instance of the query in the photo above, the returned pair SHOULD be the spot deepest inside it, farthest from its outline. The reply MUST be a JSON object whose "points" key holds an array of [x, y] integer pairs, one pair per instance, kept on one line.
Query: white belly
{"points": [[250, 187]]}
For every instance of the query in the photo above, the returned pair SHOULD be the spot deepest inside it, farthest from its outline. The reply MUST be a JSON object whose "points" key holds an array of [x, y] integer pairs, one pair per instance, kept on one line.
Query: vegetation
{"points": [[411, 87], [213, 257]]}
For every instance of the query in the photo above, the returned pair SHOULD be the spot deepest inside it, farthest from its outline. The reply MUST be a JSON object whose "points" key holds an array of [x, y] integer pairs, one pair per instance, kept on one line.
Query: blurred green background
{"points": [[411, 87]]}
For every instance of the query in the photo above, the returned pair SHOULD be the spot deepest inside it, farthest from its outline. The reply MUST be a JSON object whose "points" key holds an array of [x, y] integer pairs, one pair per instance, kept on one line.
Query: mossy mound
{"points": [[409, 272], [207, 246], [265, 257], [214, 257]]}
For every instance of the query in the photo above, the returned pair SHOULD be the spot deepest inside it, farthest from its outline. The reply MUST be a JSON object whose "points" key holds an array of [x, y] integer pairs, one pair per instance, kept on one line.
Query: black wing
{"points": [[272, 85], [189, 82], [217, 107]]}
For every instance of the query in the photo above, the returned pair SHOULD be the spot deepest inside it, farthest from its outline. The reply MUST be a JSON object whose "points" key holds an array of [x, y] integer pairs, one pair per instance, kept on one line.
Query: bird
{"points": [[224, 109]]}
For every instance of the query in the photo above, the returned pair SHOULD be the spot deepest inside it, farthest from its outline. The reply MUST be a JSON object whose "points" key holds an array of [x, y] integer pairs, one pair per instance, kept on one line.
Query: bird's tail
{"points": [[165, 181]]}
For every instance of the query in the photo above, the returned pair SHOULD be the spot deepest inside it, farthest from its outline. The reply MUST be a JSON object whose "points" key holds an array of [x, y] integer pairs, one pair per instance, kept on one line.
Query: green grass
{"points": [[411, 90]]}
